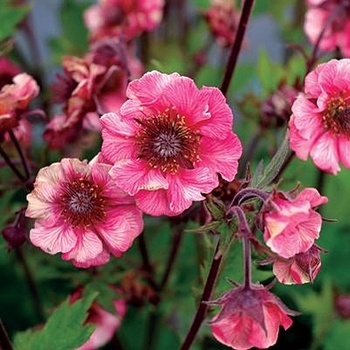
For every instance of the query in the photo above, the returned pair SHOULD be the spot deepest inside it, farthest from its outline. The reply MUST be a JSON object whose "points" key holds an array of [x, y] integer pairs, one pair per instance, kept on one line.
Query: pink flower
{"points": [[292, 225], [106, 323], [299, 269], [249, 318], [222, 19], [172, 139], [15, 99], [336, 34], [81, 213], [123, 18], [320, 124], [89, 87]]}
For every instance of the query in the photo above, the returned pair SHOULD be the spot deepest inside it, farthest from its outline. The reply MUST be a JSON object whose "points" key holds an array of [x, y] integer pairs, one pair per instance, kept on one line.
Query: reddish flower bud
{"points": [[15, 233], [342, 305], [250, 318], [299, 269], [277, 109]]}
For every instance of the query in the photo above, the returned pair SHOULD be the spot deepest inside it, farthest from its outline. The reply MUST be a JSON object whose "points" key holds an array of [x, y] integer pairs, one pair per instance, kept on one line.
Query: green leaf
{"points": [[338, 336], [319, 306], [64, 329], [273, 168], [9, 18]]}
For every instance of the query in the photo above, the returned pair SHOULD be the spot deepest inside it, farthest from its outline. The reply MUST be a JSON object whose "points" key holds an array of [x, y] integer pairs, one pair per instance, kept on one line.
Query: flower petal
{"points": [[221, 156], [120, 228], [52, 239], [133, 176]]}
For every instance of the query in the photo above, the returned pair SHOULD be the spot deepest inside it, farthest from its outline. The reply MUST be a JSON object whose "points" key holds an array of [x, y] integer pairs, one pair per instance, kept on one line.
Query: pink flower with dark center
{"points": [[292, 224], [320, 124], [299, 269], [125, 19], [169, 141], [332, 17], [250, 318], [81, 213]]}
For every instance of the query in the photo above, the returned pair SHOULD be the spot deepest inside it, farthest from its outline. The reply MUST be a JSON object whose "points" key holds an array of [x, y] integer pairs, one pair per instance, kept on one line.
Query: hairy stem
{"points": [[232, 61]]}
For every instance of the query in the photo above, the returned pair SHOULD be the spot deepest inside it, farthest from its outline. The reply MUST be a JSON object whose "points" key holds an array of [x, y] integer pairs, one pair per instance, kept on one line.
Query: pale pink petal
{"points": [[221, 118], [187, 186], [133, 176], [343, 143], [222, 156], [324, 153], [154, 203], [306, 118], [52, 240], [100, 259], [149, 87], [311, 195], [189, 102], [118, 142], [120, 228], [88, 246], [297, 143]]}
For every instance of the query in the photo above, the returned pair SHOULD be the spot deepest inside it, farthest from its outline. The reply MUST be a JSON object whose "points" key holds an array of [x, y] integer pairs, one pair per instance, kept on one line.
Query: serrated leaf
{"points": [[275, 165], [64, 330]]}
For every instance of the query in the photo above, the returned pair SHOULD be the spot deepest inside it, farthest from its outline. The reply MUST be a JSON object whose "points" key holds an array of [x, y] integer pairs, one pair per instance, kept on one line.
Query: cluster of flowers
{"points": [[165, 144]]}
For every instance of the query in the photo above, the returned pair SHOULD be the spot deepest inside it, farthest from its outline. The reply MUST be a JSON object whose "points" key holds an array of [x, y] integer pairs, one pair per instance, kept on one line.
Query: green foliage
{"points": [[10, 17], [74, 37], [64, 330]]}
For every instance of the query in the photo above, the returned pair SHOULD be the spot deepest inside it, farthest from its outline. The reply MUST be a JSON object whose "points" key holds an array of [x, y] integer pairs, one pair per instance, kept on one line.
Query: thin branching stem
{"points": [[236, 48]]}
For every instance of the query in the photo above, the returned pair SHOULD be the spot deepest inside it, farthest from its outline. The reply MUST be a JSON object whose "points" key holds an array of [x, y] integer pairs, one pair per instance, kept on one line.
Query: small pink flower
{"points": [[106, 323], [320, 124], [123, 18], [250, 318], [81, 213], [292, 225], [89, 87], [336, 31], [222, 19], [172, 139], [15, 98], [299, 269]]}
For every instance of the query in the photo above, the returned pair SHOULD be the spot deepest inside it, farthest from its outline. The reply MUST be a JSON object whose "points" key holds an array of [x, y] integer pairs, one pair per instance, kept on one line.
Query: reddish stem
{"points": [[236, 48]]}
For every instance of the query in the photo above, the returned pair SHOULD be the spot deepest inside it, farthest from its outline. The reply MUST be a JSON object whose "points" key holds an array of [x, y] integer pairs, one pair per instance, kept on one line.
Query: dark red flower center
{"points": [[82, 202], [167, 143], [337, 116]]}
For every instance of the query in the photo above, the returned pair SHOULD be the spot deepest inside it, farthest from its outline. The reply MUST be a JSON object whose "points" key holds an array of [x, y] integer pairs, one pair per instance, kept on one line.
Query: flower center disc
{"points": [[337, 116], [82, 203], [167, 143]]}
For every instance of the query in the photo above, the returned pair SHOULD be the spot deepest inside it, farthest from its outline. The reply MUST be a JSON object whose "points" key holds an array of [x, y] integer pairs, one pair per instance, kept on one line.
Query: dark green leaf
{"points": [[64, 329]]}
